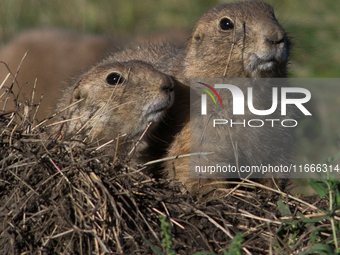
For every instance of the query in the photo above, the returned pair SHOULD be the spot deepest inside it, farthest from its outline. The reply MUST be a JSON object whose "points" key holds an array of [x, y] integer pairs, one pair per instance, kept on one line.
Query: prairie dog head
{"points": [[245, 38], [119, 98]]}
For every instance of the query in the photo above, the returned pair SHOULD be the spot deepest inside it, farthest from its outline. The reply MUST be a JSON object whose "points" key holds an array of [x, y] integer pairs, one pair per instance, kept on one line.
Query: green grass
{"points": [[112, 17], [313, 24]]}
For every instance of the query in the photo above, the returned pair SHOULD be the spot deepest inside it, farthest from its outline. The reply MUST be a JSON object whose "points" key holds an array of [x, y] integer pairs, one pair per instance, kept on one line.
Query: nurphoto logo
{"points": [[238, 105]]}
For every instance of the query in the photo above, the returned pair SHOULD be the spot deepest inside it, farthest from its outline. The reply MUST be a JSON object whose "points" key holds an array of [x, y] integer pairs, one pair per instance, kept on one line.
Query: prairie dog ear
{"points": [[197, 36], [76, 93]]}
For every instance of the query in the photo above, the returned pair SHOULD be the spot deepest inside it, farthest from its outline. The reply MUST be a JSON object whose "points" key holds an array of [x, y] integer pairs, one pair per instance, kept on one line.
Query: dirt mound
{"points": [[57, 198]]}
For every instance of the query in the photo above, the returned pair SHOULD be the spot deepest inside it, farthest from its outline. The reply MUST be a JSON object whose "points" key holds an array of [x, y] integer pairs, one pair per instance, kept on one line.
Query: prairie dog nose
{"points": [[275, 35], [167, 84], [271, 41]]}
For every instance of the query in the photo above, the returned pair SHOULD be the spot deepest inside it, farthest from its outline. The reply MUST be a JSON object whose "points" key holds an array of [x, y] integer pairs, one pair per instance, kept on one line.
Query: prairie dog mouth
{"points": [[265, 65], [156, 109], [156, 113], [259, 64]]}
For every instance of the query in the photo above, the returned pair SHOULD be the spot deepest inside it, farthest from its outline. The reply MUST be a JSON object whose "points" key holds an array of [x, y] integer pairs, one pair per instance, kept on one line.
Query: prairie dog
{"points": [[240, 40], [119, 98], [234, 40]]}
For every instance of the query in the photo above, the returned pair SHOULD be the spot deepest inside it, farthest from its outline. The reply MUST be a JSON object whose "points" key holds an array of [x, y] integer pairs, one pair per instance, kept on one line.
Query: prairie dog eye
{"points": [[114, 78], [226, 24]]}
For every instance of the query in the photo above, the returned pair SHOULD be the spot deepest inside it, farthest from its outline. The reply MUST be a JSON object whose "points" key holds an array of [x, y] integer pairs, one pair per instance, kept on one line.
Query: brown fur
{"points": [[178, 37], [105, 111], [257, 47]]}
